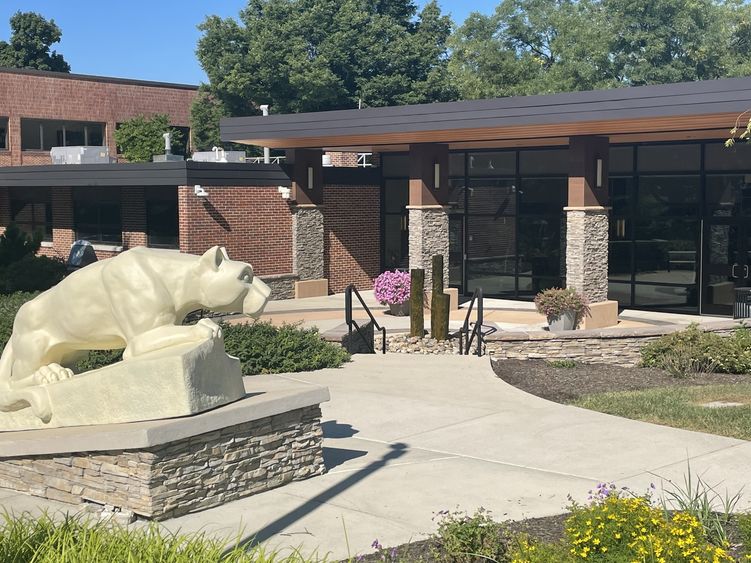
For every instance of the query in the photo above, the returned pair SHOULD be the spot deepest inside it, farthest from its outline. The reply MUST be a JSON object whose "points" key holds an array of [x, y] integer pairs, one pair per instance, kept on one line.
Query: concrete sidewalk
{"points": [[407, 436]]}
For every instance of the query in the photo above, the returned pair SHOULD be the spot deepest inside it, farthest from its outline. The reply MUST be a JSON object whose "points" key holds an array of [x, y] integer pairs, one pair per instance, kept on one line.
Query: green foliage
{"points": [[71, 539], [264, 348], [554, 302], [29, 45], [96, 359], [16, 244], [314, 55], [205, 113], [462, 538], [141, 137], [694, 351], [743, 522], [563, 364], [9, 306], [32, 273]]}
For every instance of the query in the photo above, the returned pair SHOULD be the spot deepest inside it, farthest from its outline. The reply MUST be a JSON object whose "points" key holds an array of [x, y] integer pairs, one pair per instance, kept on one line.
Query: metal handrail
{"points": [[464, 333], [353, 323]]}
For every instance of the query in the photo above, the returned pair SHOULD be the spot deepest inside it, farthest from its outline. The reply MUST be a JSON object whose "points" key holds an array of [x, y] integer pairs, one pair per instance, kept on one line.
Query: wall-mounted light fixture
{"points": [[598, 173], [199, 191], [284, 191], [437, 176], [310, 177]]}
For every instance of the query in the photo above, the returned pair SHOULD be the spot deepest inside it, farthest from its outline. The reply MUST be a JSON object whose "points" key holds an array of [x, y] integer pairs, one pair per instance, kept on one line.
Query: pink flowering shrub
{"points": [[392, 287]]}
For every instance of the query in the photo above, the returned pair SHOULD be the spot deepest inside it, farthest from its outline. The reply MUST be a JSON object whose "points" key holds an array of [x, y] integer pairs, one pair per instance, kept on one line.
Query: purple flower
{"points": [[392, 287], [376, 544]]}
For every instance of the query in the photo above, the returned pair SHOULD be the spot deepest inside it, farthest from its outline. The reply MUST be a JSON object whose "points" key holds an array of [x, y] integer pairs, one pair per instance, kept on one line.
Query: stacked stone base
{"points": [[182, 476]]}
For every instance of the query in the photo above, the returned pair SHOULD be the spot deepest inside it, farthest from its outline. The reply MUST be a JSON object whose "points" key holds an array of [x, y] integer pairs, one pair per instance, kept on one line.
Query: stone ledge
{"points": [[267, 395]]}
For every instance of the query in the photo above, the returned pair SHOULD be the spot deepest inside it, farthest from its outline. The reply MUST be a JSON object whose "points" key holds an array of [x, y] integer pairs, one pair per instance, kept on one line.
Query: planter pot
{"points": [[567, 321], [399, 309]]}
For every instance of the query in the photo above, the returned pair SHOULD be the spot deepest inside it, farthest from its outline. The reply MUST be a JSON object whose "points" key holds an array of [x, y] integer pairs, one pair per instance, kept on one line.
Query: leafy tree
{"points": [[205, 113], [313, 55], [29, 45], [141, 137]]}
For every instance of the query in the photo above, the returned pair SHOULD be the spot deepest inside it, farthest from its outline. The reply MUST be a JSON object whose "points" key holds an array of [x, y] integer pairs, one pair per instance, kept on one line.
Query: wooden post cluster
{"points": [[416, 298], [439, 302]]}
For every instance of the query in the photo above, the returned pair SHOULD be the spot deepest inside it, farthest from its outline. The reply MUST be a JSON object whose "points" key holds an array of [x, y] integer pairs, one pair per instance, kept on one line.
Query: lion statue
{"points": [[136, 301]]}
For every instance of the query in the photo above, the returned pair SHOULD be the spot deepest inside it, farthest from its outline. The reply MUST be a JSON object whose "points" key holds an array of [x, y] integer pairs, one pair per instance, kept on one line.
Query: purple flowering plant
{"points": [[392, 287]]}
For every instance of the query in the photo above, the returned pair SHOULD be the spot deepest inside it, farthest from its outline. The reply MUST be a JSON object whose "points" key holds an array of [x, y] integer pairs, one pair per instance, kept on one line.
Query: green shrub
{"points": [[564, 364], [744, 531], [695, 351], [96, 359], [264, 348], [31, 273], [16, 245], [462, 538], [9, 306]]}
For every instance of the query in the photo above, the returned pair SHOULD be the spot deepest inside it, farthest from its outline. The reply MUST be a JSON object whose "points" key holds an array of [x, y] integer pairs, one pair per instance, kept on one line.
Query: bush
{"points": [[96, 359], [264, 348], [32, 273], [9, 306], [392, 287], [563, 364], [695, 351], [554, 302], [15, 245], [462, 538], [744, 532]]}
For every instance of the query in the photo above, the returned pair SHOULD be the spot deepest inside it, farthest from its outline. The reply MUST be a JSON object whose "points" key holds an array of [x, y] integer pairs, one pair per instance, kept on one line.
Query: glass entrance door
{"points": [[727, 263]]}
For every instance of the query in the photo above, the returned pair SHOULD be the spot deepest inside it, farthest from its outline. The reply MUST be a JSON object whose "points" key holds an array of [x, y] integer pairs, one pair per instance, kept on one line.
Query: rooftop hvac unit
{"points": [[80, 155], [219, 155]]}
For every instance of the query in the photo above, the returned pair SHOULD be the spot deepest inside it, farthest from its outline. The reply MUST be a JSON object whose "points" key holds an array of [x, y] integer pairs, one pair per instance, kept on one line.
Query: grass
{"points": [[680, 407]]}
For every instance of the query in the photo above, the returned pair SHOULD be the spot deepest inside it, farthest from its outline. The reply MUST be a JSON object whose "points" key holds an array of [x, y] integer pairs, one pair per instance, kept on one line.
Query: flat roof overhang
{"points": [[144, 174], [711, 105]]}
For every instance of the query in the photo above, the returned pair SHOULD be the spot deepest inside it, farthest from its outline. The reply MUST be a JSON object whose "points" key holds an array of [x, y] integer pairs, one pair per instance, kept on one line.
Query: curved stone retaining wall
{"points": [[603, 346]]}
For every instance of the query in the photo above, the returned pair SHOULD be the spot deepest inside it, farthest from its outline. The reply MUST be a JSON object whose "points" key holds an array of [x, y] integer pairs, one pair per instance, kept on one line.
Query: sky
{"points": [[149, 40]]}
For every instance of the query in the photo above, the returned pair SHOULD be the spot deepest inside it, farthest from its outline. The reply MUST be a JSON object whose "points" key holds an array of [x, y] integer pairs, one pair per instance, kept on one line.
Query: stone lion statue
{"points": [[136, 301]]}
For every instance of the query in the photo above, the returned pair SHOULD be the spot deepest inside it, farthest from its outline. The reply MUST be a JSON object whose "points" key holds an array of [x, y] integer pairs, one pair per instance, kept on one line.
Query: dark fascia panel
{"points": [[93, 78], [682, 99], [185, 173], [345, 176]]}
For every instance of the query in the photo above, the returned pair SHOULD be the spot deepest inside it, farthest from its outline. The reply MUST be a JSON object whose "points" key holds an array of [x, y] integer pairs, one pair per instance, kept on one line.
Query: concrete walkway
{"points": [[407, 436]]}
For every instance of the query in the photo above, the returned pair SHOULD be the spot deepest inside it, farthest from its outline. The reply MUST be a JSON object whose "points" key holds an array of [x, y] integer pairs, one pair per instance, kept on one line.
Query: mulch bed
{"points": [[564, 385]]}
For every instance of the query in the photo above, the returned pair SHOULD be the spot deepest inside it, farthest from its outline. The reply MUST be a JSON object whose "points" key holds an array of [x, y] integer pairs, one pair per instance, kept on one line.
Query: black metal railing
{"points": [[352, 324], [474, 330]]}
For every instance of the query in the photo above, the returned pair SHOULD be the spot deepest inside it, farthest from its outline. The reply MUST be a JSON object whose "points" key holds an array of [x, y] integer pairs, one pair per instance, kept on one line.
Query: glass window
{"points": [[395, 165], [492, 163], [665, 296], [3, 133], [457, 189], [543, 196], [719, 157], [456, 164], [620, 292], [456, 249], [491, 245], [666, 251], [539, 245], [396, 242], [396, 195], [669, 158], [621, 160], [162, 225], [43, 134], [97, 215], [728, 195], [621, 195], [668, 195], [619, 249], [31, 210], [548, 161], [495, 197]]}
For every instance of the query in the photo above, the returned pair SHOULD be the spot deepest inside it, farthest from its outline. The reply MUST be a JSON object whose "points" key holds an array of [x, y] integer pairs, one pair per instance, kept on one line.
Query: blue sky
{"points": [[150, 40]]}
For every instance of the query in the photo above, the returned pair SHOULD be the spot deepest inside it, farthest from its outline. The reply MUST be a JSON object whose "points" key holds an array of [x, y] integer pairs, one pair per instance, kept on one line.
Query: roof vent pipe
{"points": [[266, 150]]}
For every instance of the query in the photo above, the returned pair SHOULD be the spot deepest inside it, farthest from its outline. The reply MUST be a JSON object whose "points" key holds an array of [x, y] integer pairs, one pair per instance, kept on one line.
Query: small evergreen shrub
{"points": [[462, 538], [695, 351], [9, 306], [264, 348], [563, 364], [32, 273]]}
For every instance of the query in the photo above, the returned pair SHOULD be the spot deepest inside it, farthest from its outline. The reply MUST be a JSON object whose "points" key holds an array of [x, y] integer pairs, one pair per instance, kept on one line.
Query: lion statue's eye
{"points": [[246, 278]]}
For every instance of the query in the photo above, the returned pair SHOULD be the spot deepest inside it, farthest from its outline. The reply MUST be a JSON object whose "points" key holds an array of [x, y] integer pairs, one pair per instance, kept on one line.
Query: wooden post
{"points": [[416, 298], [439, 302]]}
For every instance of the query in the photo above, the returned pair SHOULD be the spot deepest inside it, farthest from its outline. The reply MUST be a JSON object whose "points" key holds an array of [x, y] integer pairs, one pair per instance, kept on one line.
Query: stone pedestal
{"points": [[428, 236], [307, 242]]}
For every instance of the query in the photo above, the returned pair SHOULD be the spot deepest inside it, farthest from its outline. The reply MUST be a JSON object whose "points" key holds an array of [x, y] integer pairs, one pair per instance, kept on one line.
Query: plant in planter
{"points": [[392, 289], [564, 308]]}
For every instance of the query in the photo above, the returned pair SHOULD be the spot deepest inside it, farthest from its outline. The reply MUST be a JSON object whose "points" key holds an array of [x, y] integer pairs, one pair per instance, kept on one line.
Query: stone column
{"points": [[306, 199], [587, 228], [428, 209]]}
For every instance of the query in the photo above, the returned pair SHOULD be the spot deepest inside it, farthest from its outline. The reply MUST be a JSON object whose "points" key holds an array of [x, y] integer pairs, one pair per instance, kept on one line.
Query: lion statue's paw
{"points": [[52, 373], [208, 329]]}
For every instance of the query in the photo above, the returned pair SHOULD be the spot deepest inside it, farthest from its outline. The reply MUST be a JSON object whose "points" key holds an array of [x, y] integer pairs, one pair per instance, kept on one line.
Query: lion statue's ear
{"points": [[212, 258]]}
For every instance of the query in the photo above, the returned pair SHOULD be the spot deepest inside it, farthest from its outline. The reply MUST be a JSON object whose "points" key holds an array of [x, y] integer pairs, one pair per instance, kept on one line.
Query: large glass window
{"points": [[43, 134], [97, 215], [162, 223], [395, 172], [31, 210], [3, 133]]}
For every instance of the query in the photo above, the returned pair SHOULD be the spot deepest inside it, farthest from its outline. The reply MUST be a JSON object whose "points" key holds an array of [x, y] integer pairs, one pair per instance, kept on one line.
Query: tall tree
{"points": [[312, 55], [140, 138], [30, 41]]}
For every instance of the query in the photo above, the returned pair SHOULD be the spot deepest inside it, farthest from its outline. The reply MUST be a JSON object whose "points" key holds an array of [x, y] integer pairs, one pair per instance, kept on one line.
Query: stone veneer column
{"points": [[428, 210], [587, 251], [307, 213]]}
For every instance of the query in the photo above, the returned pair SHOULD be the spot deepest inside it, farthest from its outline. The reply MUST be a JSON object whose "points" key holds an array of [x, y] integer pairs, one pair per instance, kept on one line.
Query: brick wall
{"points": [[53, 97], [133, 209], [253, 224], [352, 231]]}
